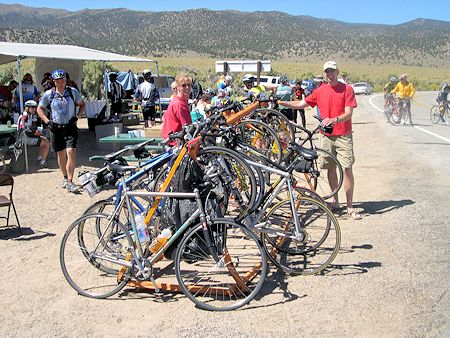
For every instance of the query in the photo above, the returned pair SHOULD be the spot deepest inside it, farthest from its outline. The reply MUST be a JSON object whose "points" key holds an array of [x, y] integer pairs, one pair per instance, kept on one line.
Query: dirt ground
{"points": [[389, 279]]}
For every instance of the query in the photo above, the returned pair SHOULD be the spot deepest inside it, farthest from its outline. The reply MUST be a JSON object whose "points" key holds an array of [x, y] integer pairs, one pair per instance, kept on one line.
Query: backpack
{"points": [[176, 211], [53, 93]]}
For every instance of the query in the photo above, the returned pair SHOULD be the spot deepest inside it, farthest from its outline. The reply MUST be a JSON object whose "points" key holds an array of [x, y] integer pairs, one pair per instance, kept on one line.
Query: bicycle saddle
{"points": [[307, 154], [120, 169]]}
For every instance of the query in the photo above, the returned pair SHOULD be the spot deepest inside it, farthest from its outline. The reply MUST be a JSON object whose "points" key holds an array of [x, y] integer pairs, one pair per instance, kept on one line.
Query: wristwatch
{"points": [[337, 119]]}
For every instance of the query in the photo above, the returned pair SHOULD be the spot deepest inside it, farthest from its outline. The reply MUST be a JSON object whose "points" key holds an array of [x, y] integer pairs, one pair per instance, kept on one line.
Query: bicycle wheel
{"points": [[317, 179], [276, 120], [233, 280], [313, 253], [238, 178], [447, 116], [260, 139], [90, 264], [435, 115]]}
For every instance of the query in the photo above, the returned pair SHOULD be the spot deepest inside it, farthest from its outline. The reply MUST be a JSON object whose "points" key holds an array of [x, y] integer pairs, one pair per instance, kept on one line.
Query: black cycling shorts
{"points": [[64, 136], [149, 113]]}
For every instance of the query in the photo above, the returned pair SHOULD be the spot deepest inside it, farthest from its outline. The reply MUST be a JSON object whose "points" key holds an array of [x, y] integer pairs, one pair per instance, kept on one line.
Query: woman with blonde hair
{"points": [[177, 113]]}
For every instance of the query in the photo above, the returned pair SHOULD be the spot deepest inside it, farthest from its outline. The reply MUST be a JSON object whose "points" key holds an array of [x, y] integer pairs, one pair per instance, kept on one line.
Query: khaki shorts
{"points": [[339, 146]]}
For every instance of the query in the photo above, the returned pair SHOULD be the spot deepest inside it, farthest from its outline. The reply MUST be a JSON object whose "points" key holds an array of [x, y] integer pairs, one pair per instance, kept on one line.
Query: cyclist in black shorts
{"points": [[148, 93], [62, 102]]}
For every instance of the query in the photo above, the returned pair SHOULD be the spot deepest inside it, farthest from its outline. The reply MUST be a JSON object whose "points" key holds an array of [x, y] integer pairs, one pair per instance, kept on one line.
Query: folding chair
{"points": [[5, 201]]}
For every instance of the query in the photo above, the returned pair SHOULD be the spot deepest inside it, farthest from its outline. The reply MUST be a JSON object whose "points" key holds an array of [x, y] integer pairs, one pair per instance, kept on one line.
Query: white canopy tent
{"points": [[49, 57]]}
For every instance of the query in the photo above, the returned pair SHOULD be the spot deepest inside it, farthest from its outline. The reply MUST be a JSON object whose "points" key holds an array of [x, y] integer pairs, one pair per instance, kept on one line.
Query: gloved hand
{"points": [[73, 120], [51, 125]]}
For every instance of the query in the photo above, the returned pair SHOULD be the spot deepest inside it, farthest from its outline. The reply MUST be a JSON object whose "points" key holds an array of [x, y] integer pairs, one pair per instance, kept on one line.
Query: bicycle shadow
{"points": [[23, 234], [351, 268], [277, 280], [381, 207]]}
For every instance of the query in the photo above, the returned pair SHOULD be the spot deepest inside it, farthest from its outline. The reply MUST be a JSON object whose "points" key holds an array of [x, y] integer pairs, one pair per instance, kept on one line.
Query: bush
{"points": [[93, 84]]}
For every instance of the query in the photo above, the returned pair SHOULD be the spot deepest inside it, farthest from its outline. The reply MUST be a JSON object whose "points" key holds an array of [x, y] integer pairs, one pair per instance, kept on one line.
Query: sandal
{"points": [[354, 215]]}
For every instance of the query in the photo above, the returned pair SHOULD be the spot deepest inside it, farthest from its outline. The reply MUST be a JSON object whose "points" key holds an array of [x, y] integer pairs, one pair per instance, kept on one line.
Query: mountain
{"points": [[230, 34]]}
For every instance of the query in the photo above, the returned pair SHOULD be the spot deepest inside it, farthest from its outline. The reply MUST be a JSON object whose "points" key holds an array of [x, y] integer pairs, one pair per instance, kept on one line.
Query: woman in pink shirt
{"points": [[177, 113]]}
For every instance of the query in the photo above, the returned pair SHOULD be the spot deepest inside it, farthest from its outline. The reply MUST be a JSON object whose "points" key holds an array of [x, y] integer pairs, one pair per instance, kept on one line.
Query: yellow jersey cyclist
{"points": [[405, 90], [251, 90]]}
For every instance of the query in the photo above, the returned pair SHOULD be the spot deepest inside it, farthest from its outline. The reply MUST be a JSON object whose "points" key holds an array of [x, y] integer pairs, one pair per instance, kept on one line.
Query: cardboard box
{"points": [[130, 119]]}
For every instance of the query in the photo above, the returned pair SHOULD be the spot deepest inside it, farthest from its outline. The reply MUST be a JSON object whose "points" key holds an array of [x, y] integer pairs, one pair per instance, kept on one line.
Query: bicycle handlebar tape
{"points": [[236, 117]]}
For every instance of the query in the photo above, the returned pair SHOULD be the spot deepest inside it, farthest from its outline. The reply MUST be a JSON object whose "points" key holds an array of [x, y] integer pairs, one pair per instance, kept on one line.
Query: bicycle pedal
{"points": [[157, 289]]}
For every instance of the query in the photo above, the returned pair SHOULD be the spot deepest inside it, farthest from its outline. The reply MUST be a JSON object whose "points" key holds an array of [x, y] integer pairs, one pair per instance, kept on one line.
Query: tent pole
{"points": [[20, 84], [21, 107]]}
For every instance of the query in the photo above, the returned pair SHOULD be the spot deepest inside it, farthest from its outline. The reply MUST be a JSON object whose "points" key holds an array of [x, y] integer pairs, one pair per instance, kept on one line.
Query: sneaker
{"points": [[42, 164], [71, 187], [64, 184]]}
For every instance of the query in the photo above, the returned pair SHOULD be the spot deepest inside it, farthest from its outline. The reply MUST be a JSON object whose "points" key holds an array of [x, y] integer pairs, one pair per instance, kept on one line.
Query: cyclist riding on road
{"points": [[388, 89], [405, 90], [442, 98]]}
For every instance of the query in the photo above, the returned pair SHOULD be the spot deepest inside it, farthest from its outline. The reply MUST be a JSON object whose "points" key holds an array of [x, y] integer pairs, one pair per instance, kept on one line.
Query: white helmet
{"points": [[31, 103], [248, 78], [229, 78]]}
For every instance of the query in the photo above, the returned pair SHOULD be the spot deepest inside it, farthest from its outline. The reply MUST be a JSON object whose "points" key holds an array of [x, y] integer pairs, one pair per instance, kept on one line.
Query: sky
{"points": [[389, 12]]}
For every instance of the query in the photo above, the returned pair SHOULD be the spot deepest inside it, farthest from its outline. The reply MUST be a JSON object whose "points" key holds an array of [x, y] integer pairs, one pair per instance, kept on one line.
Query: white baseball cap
{"points": [[330, 64]]}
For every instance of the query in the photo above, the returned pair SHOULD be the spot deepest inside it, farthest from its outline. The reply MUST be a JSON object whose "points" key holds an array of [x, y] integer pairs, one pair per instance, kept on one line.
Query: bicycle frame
{"points": [[285, 180]]}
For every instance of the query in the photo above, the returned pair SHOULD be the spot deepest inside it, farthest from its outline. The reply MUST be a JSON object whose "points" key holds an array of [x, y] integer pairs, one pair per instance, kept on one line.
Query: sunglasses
{"points": [[330, 70], [184, 85]]}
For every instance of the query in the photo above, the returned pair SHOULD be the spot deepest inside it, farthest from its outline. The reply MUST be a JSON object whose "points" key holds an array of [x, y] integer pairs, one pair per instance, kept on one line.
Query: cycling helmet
{"points": [[229, 78], [248, 78], [112, 74], [146, 71], [403, 76], [283, 79], [210, 91], [31, 103], [393, 79], [58, 74], [298, 81]]}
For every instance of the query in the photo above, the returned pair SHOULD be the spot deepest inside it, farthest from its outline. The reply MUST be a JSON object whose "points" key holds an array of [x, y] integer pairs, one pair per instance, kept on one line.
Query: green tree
{"points": [[93, 78]]}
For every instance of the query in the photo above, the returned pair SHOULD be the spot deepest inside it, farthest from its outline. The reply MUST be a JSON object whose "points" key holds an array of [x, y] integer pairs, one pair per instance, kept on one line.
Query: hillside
{"points": [[231, 34]]}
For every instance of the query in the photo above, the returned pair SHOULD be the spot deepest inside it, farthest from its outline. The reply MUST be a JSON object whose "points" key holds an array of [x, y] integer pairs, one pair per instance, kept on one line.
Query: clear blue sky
{"points": [[355, 11]]}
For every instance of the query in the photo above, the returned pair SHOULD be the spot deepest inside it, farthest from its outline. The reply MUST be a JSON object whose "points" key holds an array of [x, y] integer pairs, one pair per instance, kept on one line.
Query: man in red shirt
{"points": [[336, 101], [177, 113]]}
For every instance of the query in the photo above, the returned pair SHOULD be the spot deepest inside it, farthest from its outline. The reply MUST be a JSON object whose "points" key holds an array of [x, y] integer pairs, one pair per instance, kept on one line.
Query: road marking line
{"points": [[418, 128], [432, 134]]}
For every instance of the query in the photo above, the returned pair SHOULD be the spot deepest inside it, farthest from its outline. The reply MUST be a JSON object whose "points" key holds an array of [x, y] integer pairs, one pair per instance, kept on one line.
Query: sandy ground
{"points": [[390, 278]]}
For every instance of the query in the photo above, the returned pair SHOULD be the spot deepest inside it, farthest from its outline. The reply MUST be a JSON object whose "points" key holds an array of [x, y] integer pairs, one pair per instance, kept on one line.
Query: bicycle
{"points": [[397, 111], [440, 113], [316, 178], [300, 234], [219, 264]]}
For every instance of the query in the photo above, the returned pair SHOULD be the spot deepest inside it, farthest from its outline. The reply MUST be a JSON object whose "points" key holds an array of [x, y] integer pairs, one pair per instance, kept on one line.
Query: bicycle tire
{"points": [[317, 179], [435, 115], [230, 283], [239, 178], [447, 116], [81, 262], [275, 119], [261, 138], [321, 243]]}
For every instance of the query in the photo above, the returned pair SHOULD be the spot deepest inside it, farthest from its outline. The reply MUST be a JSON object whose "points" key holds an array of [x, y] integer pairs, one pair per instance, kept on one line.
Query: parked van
{"points": [[162, 82], [274, 80]]}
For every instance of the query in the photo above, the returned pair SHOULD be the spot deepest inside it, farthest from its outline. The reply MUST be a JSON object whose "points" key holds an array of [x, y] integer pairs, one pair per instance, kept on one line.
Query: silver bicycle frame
{"points": [[285, 181]]}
